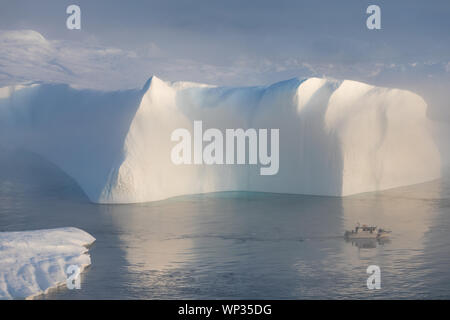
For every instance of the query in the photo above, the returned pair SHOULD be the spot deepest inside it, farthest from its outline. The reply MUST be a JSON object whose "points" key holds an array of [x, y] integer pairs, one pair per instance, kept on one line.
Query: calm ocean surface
{"points": [[238, 245]]}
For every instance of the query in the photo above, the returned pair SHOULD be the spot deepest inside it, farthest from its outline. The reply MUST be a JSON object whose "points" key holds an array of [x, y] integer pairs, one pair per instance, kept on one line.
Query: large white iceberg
{"points": [[32, 262], [336, 137]]}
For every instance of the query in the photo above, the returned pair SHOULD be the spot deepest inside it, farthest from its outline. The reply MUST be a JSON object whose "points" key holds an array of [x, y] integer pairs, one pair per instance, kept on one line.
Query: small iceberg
{"points": [[32, 262]]}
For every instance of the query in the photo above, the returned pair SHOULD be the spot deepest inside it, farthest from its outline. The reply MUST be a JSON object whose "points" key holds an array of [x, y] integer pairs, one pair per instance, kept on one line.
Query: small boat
{"points": [[366, 232]]}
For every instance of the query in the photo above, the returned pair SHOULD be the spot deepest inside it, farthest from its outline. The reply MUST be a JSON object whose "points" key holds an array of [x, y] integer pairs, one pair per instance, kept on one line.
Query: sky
{"points": [[254, 42]]}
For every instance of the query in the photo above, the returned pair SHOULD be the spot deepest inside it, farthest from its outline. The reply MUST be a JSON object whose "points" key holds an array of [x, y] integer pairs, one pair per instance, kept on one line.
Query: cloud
{"points": [[27, 56]]}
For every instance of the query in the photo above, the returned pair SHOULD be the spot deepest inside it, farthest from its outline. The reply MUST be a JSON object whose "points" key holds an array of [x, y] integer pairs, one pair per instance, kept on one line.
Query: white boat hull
{"points": [[362, 236], [366, 235]]}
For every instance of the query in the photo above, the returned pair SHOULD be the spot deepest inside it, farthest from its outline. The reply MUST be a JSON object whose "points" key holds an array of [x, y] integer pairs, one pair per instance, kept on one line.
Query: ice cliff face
{"points": [[336, 137]]}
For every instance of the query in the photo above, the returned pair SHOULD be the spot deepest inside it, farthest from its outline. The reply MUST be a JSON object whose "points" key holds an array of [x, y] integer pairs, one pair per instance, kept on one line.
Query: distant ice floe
{"points": [[32, 262], [337, 138]]}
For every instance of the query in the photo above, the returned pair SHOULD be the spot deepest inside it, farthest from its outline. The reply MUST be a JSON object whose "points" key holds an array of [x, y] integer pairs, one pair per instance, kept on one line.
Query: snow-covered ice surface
{"points": [[336, 137], [32, 262]]}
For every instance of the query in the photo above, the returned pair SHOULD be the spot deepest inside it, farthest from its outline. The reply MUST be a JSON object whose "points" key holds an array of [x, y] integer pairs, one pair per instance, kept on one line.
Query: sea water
{"points": [[242, 245]]}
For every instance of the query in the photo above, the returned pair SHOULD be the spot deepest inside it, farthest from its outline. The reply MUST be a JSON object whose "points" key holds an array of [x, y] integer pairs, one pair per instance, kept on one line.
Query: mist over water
{"points": [[240, 244]]}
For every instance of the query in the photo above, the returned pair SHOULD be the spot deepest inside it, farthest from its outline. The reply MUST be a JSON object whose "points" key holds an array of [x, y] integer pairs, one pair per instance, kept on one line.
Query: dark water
{"points": [[242, 245]]}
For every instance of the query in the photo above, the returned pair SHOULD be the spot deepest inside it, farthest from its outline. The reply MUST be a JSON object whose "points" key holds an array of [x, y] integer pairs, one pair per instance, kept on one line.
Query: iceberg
{"points": [[32, 262], [336, 138]]}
